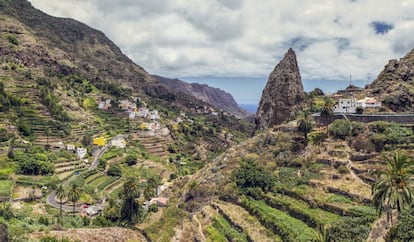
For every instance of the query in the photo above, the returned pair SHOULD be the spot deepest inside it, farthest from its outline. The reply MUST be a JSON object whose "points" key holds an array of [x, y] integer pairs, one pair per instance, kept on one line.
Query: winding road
{"points": [[51, 199]]}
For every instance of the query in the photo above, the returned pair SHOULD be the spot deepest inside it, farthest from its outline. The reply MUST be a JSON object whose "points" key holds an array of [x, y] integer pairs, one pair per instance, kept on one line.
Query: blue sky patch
{"points": [[381, 27]]}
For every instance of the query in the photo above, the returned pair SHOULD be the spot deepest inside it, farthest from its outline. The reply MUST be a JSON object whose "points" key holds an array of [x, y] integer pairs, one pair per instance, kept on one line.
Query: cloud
{"points": [[232, 38]]}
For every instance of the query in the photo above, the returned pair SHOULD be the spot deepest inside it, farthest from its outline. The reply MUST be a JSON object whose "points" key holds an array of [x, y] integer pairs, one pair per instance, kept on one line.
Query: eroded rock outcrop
{"points": [[394, 85], [282, 95]]}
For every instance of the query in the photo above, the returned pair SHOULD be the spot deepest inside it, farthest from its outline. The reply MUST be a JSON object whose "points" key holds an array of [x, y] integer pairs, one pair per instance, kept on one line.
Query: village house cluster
{"points": [[350, 105], [150, 118]]}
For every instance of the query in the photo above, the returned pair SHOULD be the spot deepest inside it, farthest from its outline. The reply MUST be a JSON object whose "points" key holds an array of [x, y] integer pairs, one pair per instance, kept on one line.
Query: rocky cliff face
{"points": [[395, 84], [214, 96], [282, 95]]}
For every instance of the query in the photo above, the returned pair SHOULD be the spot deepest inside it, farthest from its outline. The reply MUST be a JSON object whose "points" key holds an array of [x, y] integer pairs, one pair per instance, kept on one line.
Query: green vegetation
{"points": [[5, 187], [214, 235], [12, 39], [73, 194], [115, 170], [404, 230], [223, 227], [313, 216], [350, 229], [289, 228], [305, 124], [250, 175], [163, 229], [393, 189], [340, 128], [51, 101], [130, 210]]}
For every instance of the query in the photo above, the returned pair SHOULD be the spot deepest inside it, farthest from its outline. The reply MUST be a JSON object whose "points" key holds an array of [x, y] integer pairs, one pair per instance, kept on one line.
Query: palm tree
{"points": [[73, 195], [153, 183], [305, 124], [130, 207], [328, 107], [60, 194], [48, 132], [327, 110], [322, 233], [393, 188]]}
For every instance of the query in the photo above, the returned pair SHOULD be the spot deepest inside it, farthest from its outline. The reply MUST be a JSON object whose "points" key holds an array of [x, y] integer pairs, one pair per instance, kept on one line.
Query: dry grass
{"points": [[92, 235]]}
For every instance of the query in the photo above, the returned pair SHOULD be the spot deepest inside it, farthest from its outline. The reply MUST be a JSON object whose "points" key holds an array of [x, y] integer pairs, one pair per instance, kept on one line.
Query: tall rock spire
{"points": [[282, 95]]}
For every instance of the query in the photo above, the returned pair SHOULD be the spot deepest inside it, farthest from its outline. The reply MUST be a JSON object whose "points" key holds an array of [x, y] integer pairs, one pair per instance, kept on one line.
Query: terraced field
{"points": [[250, 224], [68, 166], [155, 146]]}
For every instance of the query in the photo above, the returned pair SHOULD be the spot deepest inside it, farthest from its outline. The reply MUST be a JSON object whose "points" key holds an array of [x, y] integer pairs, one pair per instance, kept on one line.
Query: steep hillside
{"points": [[59, 47], [214, 96], [395, 84], [282, 95], [68, 47]]}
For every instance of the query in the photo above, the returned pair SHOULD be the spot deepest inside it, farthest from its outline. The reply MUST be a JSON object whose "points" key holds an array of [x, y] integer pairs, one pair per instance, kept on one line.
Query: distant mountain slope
{"points": [[60, 47], [71, 47], [214, 96], [395, 84]]}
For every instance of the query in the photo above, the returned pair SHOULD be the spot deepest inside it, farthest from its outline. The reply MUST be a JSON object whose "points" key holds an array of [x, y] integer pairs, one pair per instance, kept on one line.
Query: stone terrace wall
{"points": [[366, 118]]}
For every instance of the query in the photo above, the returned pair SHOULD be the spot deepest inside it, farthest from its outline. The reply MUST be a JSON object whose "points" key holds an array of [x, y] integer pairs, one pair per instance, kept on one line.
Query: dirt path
{"points": [[379, 229], [200, 229], [351, 164]]}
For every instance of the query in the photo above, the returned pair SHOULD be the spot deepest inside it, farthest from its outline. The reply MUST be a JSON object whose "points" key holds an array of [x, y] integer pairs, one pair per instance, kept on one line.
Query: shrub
{"points": [[102, 221], [12, 39], [317, 137], [131, 160], [405, 225], [153, 208], [350, 229], [340, 128], [359, 110], [342, 169], [4, 136], [249, 174], [114, 170], [24, 128]]}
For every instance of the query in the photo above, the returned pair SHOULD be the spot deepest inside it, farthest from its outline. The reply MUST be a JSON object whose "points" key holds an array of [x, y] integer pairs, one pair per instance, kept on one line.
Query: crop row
{"points": [[291, 229]]}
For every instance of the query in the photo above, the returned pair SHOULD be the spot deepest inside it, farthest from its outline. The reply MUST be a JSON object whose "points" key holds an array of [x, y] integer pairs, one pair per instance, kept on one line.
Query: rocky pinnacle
{"points": [[282, 95]]}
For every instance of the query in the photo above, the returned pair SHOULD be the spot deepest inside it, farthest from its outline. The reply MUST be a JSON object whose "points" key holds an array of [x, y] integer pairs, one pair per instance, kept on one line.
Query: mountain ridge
{"points": [[215, 96]]}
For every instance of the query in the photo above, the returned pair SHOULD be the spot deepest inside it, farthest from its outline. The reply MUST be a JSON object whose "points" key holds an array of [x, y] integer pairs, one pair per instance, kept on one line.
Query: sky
{"points": [[235, 44]]}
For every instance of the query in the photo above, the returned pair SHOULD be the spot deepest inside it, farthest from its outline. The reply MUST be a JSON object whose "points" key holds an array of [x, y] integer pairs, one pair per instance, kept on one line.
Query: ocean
{"points": [[252, 108]]}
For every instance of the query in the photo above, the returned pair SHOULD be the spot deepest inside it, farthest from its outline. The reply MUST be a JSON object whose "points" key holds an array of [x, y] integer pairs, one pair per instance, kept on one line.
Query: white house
{"points": [[153, 115], [105, 105], [369, 102], [81, 152], [142, 112], [345, 105], [118, 142], [131, 115], [70, 147]]}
